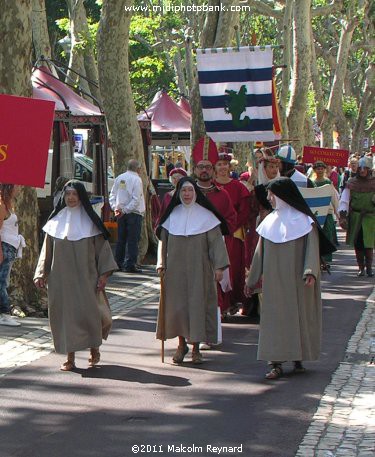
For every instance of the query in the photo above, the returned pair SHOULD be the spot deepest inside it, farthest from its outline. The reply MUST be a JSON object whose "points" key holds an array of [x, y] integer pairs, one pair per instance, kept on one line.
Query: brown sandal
{"points": [[275, 373], [196, 358], [179, 355], [69, 365], [94, 358]]}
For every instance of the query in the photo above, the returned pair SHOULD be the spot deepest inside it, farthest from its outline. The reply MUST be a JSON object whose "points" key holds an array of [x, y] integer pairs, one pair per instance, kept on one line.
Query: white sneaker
{"points": [[6, 319]]}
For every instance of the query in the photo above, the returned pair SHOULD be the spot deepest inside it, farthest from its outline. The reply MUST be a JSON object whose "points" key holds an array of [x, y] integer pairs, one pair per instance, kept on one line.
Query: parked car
{"points": [[83, 170]]}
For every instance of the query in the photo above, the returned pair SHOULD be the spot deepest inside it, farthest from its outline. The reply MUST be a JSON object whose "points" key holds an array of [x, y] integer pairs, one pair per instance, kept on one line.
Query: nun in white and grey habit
{"points": [[288, 258], [74, 264], [192, 256]]}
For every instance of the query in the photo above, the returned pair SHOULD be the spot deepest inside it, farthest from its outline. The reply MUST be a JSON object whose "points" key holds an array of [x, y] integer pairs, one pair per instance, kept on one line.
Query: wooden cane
{"points": [[162, 314]]}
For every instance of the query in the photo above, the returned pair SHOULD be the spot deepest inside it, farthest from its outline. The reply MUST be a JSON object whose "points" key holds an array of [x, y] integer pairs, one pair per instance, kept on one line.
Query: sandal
{"points": [[196, 358], [69, 365], [94, 357], [180, 354], [276, 372], [298, 367]]}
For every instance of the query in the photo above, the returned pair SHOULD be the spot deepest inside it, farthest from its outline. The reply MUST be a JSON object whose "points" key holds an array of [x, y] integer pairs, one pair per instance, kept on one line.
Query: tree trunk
{"points": [[15, 74], [334, 107], [81, 29], [177, 63], [301, 72], [77, 15], [287, 61], [114, 81], [242, 152], [218, 31], [41, 41], [367, 101], [318, 91], [189, 65]]}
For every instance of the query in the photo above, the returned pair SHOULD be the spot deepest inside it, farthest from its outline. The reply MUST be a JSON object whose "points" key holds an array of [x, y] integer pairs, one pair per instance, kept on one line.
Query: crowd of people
{"points": [[224, 239], [270, 231]]}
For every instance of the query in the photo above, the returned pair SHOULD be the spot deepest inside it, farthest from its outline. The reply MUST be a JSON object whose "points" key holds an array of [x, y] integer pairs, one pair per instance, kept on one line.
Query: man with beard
{"points": [[350, 172], [205, 155], [357, 215]]}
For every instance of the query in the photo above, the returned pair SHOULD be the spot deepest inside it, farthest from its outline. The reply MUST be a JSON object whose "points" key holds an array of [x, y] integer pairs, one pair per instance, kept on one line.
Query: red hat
{"points": [[244, 176], [180, 171], [205, 149]]}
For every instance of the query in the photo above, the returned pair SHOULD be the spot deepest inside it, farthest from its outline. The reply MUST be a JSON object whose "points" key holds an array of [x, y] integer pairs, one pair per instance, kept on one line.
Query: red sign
{"points": [[25, 134], [334, 157]]}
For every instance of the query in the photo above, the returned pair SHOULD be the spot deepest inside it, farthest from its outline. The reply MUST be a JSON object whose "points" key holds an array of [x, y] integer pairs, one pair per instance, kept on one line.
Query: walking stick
{"points": [[162, 314]]}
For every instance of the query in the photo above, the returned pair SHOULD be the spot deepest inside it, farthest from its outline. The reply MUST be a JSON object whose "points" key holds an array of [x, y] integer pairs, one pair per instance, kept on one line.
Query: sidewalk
{"points": [[32, 340], [344, 423]]}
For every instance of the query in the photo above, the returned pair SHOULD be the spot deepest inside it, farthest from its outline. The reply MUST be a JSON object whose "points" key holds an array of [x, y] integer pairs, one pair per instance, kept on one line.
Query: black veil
{"points": [[85, 202], [287, 190], [201, 200]]}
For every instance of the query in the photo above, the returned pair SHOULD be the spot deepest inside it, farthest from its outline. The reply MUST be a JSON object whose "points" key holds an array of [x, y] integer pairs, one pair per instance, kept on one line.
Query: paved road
{"points": [[133, 399]]}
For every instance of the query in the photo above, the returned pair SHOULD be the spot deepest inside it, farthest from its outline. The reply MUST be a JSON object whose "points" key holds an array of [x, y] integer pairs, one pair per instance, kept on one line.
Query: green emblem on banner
{"points": [[235, 104]]}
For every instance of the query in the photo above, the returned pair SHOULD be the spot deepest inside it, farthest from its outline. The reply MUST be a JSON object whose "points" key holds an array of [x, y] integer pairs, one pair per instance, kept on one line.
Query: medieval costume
{"points": [[260, 207], [287, 255], [75, 260], [288, 157], [205, 155], [357, 215], [191, 250], [329, 227], [174, 176], [240, 198]]}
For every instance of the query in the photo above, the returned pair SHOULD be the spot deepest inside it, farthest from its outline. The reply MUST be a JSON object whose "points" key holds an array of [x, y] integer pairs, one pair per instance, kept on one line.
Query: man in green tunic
{"points": [[357, 215]]}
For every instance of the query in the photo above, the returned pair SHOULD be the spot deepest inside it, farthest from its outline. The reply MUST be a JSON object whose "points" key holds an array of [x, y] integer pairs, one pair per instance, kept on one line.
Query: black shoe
{"points": [[369, 272], [133, 270], [361, 272]]}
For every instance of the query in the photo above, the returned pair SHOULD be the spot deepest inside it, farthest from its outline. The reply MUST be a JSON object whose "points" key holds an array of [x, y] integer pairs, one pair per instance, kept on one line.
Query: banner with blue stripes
{"points": [[319, 200], [235, 85]]}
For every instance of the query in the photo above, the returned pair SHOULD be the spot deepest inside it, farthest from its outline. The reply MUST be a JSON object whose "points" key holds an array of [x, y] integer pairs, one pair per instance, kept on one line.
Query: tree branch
{"points": [[264, 9], [333, 7]]}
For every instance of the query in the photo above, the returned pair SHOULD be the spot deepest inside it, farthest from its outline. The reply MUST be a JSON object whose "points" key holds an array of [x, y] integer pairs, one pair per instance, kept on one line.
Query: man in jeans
{"points": [[128, 203]]}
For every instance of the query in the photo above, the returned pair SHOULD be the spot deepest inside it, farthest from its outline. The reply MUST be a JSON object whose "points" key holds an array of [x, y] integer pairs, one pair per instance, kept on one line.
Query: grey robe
{"points": [[71, 269], [190, 287], [290, 321]]}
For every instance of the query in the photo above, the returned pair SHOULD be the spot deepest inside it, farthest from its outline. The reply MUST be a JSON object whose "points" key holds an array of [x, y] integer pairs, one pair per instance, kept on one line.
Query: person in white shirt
{"points": [[128, 203], [11, 244]]}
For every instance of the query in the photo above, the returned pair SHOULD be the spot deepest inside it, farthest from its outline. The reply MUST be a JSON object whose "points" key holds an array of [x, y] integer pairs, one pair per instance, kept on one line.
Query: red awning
{"points": [[166, 115], [48, 87], [184, 104]]}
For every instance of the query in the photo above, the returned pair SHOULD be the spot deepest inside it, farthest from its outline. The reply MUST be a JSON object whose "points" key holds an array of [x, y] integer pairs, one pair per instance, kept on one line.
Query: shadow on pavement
{"points": [[121, 373]]}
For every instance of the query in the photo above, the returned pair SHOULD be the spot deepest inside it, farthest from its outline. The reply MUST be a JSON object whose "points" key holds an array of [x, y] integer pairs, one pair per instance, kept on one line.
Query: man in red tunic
{"points": [[240, 197], [205, 156]]}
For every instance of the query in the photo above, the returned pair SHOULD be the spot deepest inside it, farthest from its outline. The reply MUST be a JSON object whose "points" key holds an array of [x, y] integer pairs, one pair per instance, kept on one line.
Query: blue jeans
{"points": [[9, 255], [128, 236]]}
